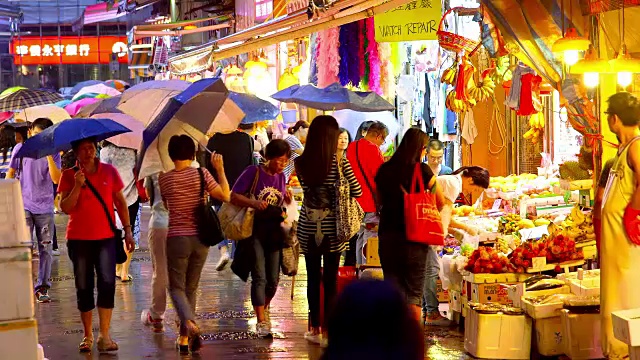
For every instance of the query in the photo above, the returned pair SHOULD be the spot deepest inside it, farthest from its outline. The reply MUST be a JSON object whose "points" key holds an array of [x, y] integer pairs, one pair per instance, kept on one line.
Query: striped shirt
{"points": [[5, 161], [295, 144], [308, 228], [181, 193]]}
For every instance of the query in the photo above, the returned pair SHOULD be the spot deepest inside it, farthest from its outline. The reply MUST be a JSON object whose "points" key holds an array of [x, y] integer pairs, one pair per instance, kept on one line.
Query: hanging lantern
{"points": [[257, 78], [571, 44], [625, 66], [233, 78], [591, 67]]}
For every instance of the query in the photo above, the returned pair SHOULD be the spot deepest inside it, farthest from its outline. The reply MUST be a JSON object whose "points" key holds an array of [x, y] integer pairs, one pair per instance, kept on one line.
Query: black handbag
{"points": [[118, 235], [209, 228]]}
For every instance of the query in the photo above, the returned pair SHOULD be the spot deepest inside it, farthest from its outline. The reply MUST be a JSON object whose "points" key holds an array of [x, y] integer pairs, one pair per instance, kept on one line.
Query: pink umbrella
{"points": [[130, 140], [75, 106]]}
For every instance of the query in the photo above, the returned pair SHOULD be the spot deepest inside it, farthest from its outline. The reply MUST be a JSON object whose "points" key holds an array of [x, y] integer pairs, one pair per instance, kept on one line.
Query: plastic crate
{"points": [[497, 336]]}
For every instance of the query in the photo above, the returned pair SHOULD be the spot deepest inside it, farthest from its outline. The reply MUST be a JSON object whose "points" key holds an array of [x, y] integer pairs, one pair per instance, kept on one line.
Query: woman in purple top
{"points": [[260, 255]]}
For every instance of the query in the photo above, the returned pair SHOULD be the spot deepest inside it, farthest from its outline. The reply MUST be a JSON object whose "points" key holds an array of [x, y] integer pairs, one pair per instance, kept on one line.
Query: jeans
{"points": [[186, 257], [363, 236], [227, 243], [329, 277], [88, 256], [430, 303], [265, 274], [404, 262], [43, 224], [160, 279]]}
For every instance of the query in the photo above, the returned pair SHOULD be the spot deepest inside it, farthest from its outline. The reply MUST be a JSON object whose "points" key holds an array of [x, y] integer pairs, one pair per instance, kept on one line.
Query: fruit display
{"points": [[466, 210], [502, 245], [294, 181], [457, 105], [512, 223], [556, 249], [536, 128], [484, 90], [577, 226], [466, 250], [451, 245], [487, 260], [572, 170]]}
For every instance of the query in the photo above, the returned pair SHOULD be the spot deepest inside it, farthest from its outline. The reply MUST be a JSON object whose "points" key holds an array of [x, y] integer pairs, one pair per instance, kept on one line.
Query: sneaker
{"points": [[42, 295], [137, 247], [435, 319], [263, 329], [313, 338], [147, 320], [224, 258], [56, 252]]}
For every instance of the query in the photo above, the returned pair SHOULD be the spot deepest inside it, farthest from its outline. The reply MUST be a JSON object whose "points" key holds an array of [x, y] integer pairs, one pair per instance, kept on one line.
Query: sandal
{"points": [[128, 279], [105, 347], [86, 345], [183, 349], [195, 341]]}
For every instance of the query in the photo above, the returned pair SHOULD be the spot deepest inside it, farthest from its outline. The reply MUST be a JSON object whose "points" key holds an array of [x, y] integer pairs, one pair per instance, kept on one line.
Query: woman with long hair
{"points": [[318, 170], [7, 142], [186, 253], [297, 138], [343, 143], [403, 261]]}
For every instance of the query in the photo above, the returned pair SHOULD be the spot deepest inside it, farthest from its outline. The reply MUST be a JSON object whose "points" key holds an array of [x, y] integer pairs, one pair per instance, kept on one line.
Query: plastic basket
{"points": [[452, 41]]}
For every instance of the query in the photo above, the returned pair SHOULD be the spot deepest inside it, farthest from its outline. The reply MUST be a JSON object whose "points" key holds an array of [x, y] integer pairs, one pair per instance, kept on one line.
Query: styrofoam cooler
{"points": [[626, 326], [581, 335], [15, 267], [13, 226], [549, 336], [19, 339], [497, 336]]}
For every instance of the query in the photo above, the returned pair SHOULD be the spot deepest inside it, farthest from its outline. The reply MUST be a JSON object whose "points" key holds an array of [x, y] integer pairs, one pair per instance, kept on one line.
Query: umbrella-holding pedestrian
{"points": [[91, 238], [37, 177]]}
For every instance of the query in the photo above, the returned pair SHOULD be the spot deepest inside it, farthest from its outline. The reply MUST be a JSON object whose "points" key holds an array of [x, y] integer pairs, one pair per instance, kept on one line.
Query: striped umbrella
{"points": [[11, 90], [25, 98]]}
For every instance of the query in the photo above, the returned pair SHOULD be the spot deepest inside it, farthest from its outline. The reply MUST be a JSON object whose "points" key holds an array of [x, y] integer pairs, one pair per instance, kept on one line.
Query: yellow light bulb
{"points": [[591, 79], [571, 57], [624, 78]]}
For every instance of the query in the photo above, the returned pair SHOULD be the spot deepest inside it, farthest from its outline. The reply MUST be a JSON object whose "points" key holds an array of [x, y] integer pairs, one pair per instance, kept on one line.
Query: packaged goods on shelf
{"points": [[497, 335], [582, 339], [19, 339], [15, 266]]}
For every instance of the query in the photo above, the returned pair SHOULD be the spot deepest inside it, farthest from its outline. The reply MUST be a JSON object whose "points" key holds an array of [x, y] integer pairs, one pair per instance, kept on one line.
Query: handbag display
{"points": [[422, 218], [350, 214], [237, 221], [118, 235], [209, 228]]}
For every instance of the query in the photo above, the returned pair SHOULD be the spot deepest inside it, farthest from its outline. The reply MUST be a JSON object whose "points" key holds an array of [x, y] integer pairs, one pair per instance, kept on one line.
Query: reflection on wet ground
{"points": [[224, 312]]}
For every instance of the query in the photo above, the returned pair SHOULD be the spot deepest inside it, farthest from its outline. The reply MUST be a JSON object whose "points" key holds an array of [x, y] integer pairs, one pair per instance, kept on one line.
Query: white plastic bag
{"points": [[293, 215]]}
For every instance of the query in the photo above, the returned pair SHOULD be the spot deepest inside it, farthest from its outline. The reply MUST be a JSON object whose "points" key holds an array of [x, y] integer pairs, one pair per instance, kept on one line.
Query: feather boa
{"points": [[349, 59], [328, 57], [374, 58], [386, 68], [313, 65], [343, 50]]}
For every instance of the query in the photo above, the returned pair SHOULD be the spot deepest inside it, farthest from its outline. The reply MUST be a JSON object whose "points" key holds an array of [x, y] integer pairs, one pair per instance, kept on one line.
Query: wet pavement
{"points": [[224, 311]]}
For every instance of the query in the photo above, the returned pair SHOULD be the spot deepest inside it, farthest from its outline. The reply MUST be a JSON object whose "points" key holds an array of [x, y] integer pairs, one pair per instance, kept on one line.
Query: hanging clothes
{"points": [[469, 129], [426, 110], [530, 95], [513, 99]]}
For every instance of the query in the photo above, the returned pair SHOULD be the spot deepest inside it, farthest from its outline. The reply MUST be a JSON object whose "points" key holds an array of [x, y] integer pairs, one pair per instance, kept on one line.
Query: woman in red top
{"points": [[91, 241]]}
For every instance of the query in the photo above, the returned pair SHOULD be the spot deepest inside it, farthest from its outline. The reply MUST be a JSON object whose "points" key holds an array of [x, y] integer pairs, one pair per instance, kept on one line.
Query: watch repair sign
{"points": [[413, 21]]}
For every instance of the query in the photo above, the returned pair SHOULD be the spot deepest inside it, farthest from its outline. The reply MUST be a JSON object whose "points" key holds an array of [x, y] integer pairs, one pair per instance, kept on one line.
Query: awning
{"points": [[145, 31], [139, 61], [281, 29], [105, 11]]}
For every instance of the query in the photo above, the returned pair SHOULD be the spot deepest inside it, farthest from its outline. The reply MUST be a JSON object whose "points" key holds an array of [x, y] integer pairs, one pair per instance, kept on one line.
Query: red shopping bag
{"points": [[422, 218]]}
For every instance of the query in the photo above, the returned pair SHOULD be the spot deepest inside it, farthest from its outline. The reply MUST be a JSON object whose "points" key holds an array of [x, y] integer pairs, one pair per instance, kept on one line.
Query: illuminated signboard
{"points": [[53, 50], [264, 8]]}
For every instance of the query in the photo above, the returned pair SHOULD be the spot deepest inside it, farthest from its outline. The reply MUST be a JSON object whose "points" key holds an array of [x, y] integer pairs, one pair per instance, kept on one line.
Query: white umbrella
{"points": [[130, 140], [179, 85], [52, 112], [145, 105], [351, 120], [97, 89]]}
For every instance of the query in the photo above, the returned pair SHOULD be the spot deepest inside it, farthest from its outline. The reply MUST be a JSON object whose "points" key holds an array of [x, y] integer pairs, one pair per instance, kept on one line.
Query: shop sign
{"points": [[53, 50], [264, 8], [294, 6], [413, 21]]}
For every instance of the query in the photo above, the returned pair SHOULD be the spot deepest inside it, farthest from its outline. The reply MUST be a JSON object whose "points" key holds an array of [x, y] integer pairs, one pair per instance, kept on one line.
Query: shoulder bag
{"points": [[349, 214], [237, 221], [422, 219], [118, 235], [209, 228], [374, 195]]}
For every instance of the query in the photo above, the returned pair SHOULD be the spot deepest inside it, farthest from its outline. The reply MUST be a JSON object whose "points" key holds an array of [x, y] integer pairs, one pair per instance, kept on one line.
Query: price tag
{"points": [[496, 205], [533, 233]]}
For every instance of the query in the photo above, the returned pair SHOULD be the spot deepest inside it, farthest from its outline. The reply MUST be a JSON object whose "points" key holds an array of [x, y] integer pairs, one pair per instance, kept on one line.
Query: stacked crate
{"points": [[18, 328]]}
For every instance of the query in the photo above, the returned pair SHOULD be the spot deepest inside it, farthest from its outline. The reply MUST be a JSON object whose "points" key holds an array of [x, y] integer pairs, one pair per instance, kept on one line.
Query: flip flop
{"points": [[86, 345], [106, 347], [127, 280]]}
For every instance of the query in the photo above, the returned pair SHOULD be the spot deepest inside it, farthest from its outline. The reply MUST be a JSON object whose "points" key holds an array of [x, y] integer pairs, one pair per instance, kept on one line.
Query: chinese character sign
{"points": [[413, 21], [51, 50]]}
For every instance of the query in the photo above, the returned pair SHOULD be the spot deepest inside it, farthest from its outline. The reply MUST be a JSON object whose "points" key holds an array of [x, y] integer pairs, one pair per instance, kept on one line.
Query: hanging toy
{"points": [[449, 75]]}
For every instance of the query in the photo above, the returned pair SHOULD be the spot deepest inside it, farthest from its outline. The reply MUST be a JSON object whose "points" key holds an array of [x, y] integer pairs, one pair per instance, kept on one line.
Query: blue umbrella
{"points": [[77, 87], [60, 136], [254, 108], [63, 103], [333, 97]]}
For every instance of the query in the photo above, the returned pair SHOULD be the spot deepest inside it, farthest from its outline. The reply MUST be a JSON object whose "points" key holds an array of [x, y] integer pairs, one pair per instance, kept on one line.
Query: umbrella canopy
{"points": [[333, 97], [63, 103], [52, 112], [24, 98], [117, 84], [255, 108], [60, 136], [101, 106], [75, 106], [352, 120], [6, 115], [77, 87], [97, 89], [178, 85], [145, 105], [11, 90], [130, 140], [195, 112]]}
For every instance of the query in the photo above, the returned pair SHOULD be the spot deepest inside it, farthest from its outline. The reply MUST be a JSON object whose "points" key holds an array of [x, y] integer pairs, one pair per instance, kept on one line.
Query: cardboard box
{"points": [[626, 326], [19, 339], [455, 301], [497, 336], [15, 267], [495, 293], [443, 295]]}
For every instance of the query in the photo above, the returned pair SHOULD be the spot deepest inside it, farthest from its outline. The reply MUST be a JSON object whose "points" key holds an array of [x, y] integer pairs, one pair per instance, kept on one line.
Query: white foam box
{"points": [[549, 336], [543, 311], [495, 278], [626, 326], [455, 301], [587, 287], [15, 267], [516, 292], [19, 339], [581, 335], [497, 336], [13, 227]]}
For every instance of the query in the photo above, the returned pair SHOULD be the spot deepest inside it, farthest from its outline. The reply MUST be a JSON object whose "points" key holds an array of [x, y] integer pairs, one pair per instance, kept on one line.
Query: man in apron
{"points": [[620, 253]]}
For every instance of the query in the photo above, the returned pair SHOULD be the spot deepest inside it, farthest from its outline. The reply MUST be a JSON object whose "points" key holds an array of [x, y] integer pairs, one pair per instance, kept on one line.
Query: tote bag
{"points": [[349, 215], [237, 221], [422, 218]]}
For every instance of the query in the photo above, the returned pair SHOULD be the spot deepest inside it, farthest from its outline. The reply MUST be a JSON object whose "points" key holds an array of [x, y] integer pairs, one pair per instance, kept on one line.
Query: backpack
{"points": [[318, 202]]}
